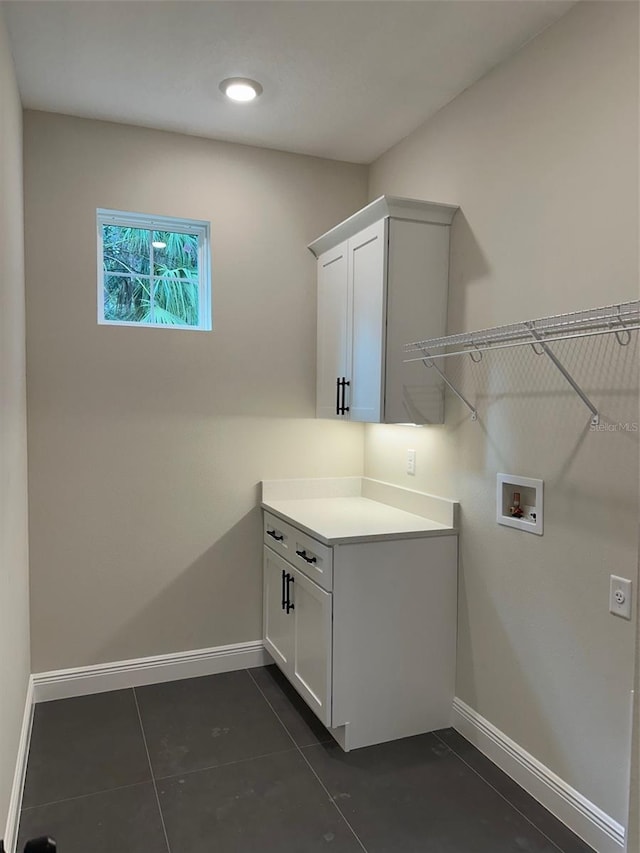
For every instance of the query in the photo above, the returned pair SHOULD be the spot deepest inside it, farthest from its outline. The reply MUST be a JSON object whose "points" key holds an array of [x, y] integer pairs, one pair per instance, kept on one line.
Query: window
{"points": [[153, 271]]}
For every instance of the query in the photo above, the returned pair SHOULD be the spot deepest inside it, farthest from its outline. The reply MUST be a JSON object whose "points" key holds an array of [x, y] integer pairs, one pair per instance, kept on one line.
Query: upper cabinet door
{"points": [[367, 291], [332, 331]]}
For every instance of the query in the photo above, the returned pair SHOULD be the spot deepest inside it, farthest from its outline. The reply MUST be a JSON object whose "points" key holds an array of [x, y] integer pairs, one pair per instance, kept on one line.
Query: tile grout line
{"points": [[83, 796], [226, 764], [153, 778], [308, 763], [500, 794]]}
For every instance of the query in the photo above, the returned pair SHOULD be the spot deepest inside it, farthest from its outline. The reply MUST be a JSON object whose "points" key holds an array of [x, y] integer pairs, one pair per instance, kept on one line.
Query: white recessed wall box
{"points": [[519, 502]]}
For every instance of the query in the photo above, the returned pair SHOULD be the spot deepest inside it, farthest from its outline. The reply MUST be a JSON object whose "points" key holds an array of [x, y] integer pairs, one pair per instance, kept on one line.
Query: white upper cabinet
{"points": [[382, 282], [366, 281], [332, 328]]}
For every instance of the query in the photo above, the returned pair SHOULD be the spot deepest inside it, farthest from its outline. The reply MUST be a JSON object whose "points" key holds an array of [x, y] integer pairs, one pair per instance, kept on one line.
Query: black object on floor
{"points": [[44, 844], [237, 762]]}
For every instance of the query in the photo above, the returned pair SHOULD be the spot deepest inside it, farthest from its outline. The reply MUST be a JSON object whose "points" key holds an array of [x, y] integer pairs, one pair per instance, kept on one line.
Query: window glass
{"points": [[152, 274]]}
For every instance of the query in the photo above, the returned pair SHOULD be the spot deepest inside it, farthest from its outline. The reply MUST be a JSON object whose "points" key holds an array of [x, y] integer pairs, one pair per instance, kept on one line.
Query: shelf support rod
{"points": [[428, 363], [595, 416]]}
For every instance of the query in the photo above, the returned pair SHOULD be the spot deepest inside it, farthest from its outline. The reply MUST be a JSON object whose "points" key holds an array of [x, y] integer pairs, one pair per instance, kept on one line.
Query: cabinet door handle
{"points": [[338, 384], [341, 398], [306, 557], [284, 594], [290, 606], [274, 535], [344, 408]]}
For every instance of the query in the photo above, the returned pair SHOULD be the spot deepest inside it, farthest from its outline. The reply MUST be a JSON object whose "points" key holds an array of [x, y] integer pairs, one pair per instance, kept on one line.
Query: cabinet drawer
{"points": [[309, 556]]}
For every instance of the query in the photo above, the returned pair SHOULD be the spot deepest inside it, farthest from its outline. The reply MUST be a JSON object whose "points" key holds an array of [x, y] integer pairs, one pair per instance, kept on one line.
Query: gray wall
{"points": [[542, 156], [147, 445], [14, 579]]}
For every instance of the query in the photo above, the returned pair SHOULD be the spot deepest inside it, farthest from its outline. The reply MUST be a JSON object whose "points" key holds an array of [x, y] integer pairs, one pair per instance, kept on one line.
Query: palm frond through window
{"points": [[151, 274]]}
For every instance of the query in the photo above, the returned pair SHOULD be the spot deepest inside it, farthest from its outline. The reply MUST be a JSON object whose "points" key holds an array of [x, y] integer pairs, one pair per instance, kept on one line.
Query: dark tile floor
{"points": [[236, 763]]}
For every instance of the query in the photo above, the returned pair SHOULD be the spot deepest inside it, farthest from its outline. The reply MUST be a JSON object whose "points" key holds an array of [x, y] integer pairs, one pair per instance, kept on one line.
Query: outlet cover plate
{"points": [[620, 596]]}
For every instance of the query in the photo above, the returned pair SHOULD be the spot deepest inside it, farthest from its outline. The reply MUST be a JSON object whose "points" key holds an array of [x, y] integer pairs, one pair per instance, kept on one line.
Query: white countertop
{"points": [[353, 518]]}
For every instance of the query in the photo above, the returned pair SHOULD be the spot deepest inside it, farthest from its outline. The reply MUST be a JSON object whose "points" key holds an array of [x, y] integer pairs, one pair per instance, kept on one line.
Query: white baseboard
{"points": [[81, 681], [583, 817], [15, 799]]}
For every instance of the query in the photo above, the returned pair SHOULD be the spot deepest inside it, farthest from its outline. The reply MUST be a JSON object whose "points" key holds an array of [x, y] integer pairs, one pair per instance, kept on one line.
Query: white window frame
{"points": [[198, 227]]}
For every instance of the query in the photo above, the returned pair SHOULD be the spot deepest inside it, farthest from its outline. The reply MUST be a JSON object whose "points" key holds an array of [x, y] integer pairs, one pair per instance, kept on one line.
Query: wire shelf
{"points": [[619, 319]]}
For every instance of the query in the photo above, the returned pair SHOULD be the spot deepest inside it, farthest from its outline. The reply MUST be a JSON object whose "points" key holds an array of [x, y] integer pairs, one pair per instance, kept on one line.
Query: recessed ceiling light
{"points": [[158, 244], [240, 89]]}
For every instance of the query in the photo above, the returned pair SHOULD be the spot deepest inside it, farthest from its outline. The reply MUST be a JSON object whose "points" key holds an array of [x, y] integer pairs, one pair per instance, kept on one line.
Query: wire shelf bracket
{"points": [[619, 320], [544, 350], [429, 363]]}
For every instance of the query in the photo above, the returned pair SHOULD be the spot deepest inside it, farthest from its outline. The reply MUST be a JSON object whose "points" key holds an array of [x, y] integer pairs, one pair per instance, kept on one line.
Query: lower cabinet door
{"points": [[278, 625], [311, 665]]}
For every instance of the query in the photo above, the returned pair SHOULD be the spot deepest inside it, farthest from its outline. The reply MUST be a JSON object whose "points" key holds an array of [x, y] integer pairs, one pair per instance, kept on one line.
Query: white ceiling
{"points": [[342, 79]]}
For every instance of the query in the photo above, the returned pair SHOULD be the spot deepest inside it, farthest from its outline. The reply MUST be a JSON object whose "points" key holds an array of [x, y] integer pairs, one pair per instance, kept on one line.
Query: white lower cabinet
{"points": [[277, 624], [298, 618], [311, 670], [373, 652]]}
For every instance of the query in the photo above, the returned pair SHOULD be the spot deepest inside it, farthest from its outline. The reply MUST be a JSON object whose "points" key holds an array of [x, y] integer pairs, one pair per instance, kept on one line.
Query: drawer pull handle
{"points": [[284, 594], [290, 606], [306, 557], [277, 536]]}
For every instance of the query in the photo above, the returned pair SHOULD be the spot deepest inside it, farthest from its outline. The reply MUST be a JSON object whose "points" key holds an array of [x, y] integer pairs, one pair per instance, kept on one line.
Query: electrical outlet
{"points": [[620, 597], [411, 462]]}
